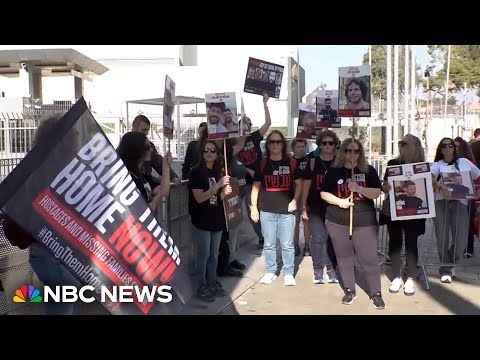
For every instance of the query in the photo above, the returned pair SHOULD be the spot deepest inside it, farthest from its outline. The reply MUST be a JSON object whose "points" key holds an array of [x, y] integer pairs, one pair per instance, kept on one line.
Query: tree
{"points": [[464, 67], [379, 69]]}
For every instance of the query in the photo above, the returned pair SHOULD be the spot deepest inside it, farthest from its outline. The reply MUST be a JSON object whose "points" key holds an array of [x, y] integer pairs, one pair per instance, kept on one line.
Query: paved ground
{"points": [[248, 297]]}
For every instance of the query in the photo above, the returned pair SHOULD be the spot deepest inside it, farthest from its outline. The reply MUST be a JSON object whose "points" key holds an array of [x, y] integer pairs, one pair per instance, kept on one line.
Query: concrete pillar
{"points": [[34, 81], [78, 84]]}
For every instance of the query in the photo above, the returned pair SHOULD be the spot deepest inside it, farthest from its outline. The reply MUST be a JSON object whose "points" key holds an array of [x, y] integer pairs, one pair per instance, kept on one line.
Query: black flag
{"points": [[75, 196]]}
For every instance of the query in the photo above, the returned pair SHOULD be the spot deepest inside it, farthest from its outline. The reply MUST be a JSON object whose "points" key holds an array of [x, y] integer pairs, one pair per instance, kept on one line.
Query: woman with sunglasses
{"points": [[465, 151], [410, 151], [451, 215], [298, 146], [208, 218], [274, 180], [314, 208], [336, 190]]}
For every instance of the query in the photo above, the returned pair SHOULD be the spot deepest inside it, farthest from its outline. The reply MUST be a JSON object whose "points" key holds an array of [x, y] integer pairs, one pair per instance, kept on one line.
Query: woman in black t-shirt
{"points": [[134, 149], [298, 146], [274, 180], [411, 151], [208, 218], [314, 208], [337, 187]]}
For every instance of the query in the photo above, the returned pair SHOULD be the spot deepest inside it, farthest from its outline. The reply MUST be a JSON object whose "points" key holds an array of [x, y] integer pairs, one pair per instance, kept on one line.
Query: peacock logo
{"points": [[27, 294]]}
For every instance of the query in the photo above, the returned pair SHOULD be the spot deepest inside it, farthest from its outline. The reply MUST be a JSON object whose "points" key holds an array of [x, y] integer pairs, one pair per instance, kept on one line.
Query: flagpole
{"points": [[447, 81]]}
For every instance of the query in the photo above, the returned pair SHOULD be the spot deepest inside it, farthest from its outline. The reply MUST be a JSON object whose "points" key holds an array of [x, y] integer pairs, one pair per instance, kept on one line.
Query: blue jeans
{"points": [[319, 241], [256, 225], [278, 226], [208, 243], [51, 272]]}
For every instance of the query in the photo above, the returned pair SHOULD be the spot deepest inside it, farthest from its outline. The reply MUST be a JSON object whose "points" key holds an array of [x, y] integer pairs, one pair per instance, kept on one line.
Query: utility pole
{"points": [[413, 94], [427, 116], [406, 119], [388, 145], [370, 123], [447, 81], [395, 100]]}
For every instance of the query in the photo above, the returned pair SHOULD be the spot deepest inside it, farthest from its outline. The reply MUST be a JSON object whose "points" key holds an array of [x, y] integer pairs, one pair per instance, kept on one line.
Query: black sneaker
{"points": [[306, 251], [237, 265], [217, 290], [205, 294], [349, 297], [377, 301], [231, 272]]}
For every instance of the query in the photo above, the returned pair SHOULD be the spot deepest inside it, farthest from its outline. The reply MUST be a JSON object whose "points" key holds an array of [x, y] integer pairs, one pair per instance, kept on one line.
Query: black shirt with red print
{"points": [[251, 154], [277, 185], [364, 212], [208, 215], [315, 203]]}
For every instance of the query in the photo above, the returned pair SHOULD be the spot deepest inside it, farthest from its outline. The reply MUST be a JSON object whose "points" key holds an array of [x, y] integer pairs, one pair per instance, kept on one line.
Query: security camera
{"points": [[23, 65]]}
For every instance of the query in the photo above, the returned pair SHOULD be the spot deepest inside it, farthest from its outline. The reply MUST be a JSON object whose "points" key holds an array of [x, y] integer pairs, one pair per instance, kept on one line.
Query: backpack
{"points": [[14, 233], [293, 165]]}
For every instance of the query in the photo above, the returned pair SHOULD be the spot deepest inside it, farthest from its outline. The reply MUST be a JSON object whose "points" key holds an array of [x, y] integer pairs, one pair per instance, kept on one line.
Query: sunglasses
{"points": [[402, 143], [213, 151], [275, 142], [349, 151], [329, 143], [450, 145]]}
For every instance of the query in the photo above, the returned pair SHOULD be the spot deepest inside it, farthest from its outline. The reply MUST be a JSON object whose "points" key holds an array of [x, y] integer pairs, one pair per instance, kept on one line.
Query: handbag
{"points": [[386, 207], [384, 216]]}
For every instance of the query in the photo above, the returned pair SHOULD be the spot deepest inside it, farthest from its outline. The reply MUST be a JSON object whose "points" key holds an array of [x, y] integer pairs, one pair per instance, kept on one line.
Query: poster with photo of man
{"points": [[306, 122], [459, 184], [412, 192], [222, 120], [354, 86], [263, 76], [327, 109], [168, 107]]}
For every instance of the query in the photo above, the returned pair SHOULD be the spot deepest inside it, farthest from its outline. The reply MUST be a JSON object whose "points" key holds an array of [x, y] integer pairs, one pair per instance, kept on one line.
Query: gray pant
{"points": [[363, 247], [451, 216]]}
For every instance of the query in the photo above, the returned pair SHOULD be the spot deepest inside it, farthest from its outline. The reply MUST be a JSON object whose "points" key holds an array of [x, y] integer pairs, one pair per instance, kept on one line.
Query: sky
{"points": [[223, 70], [321, 62]]}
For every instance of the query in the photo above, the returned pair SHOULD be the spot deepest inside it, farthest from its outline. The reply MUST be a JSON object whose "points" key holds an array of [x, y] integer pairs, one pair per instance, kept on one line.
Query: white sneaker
{"points": [[289, 280], [395, 285], [409, 287], [447, 279], [268, 278]]}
